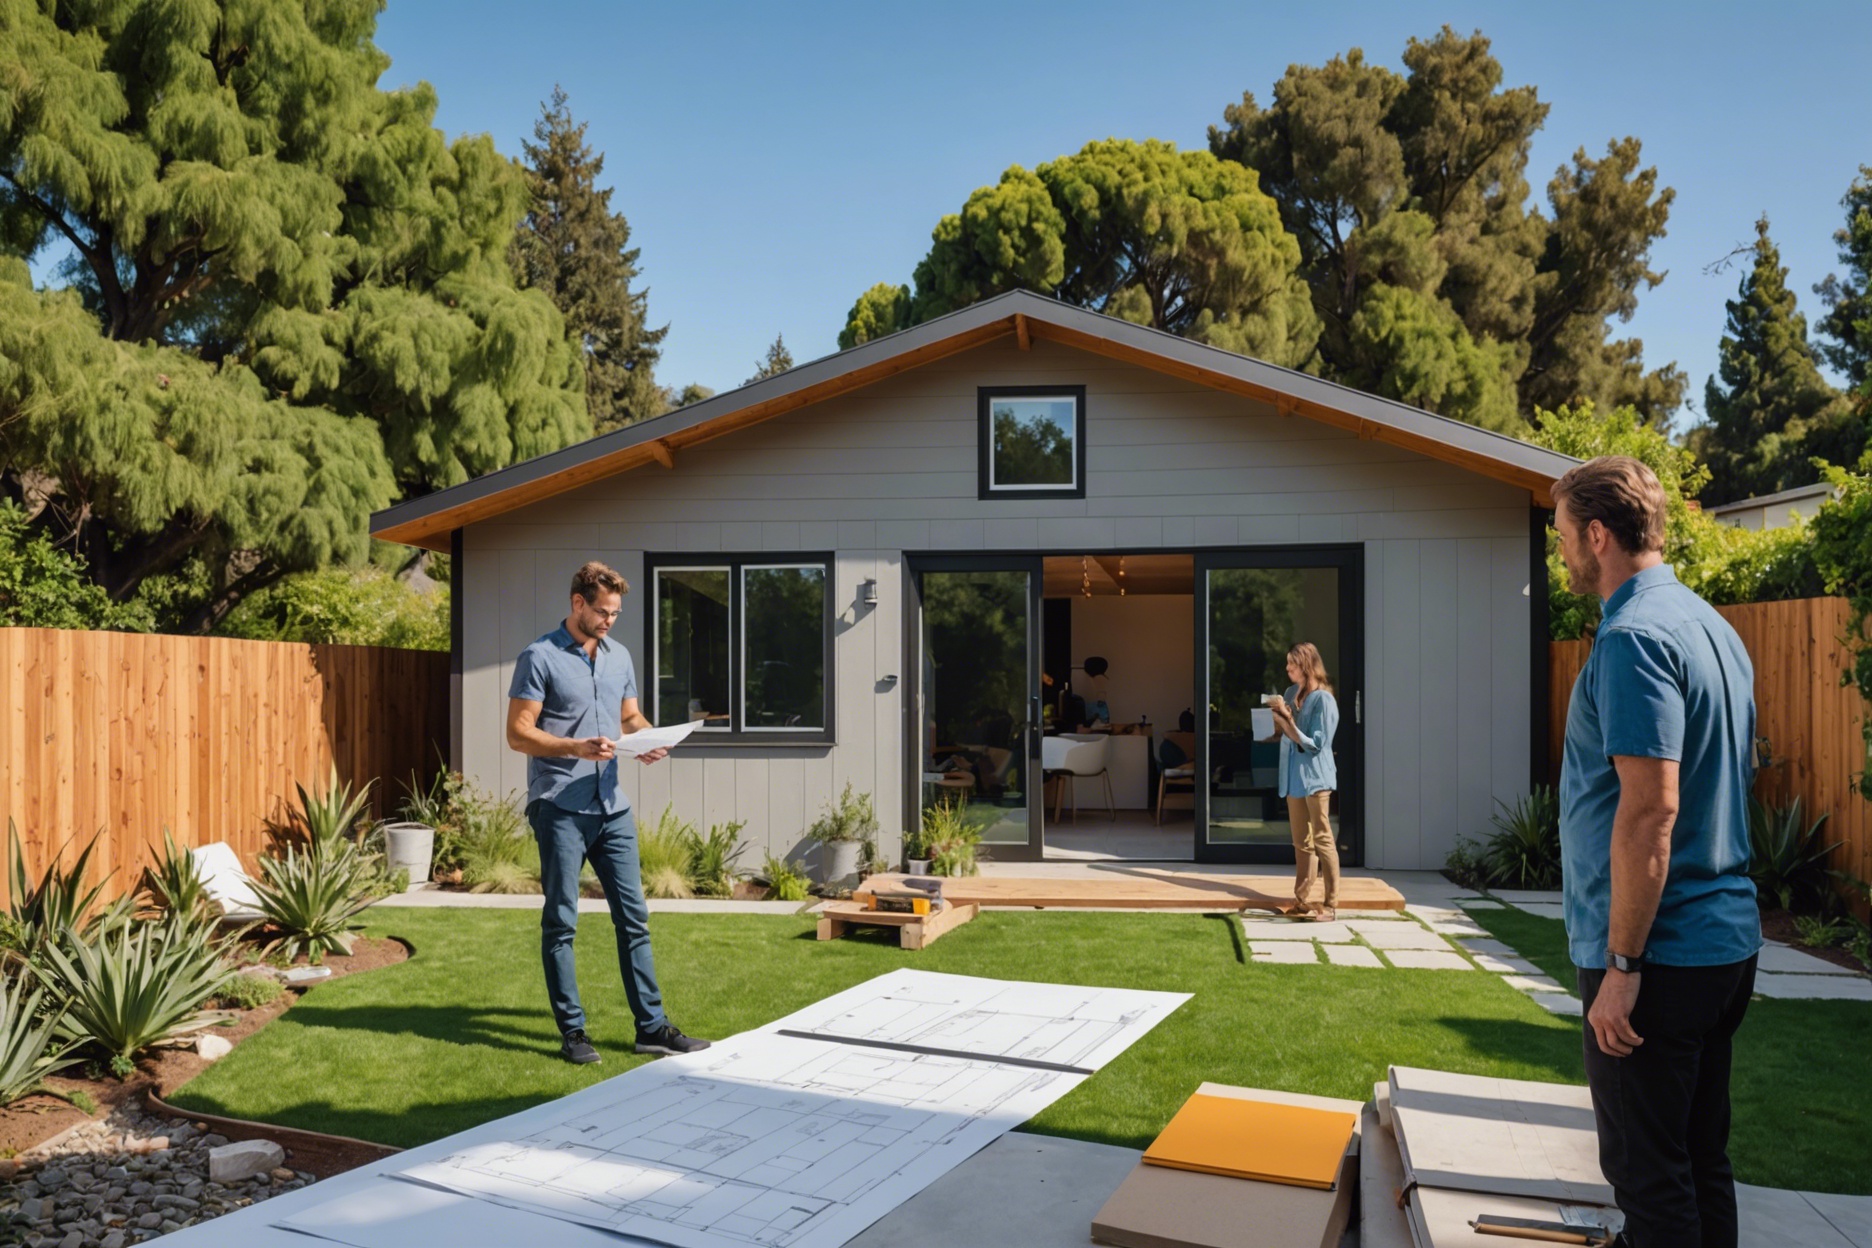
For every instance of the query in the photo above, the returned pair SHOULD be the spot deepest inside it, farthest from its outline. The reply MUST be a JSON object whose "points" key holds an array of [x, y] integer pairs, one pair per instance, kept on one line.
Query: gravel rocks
{"points": [[121, 1181]]}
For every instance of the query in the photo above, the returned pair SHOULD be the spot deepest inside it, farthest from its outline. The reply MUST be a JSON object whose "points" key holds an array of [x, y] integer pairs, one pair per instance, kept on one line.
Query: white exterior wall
{"points": [[1170, 466]]}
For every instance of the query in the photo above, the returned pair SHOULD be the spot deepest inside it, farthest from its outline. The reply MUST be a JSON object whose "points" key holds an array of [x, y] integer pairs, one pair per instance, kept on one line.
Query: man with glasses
{"points": [[574, 691]]}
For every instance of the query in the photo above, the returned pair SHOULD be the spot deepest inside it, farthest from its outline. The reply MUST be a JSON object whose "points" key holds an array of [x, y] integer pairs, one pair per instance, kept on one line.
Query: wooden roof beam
{"points": [[660, 451], [1023, 334]]}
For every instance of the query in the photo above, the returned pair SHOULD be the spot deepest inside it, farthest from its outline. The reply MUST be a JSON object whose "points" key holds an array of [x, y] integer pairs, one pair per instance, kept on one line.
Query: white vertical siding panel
{"points": [[818, 535], [751, 807], [1399, 688], [1378, 851], [886, 625], [688, 785], [786, 804], [783, 536], [718, 790], [1439, 710], [1510, 615], [518, 607], [1475, 688]]}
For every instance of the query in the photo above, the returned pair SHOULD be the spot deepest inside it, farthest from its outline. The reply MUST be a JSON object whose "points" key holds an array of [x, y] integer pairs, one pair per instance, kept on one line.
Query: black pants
{"points": [[1663, 1112]]}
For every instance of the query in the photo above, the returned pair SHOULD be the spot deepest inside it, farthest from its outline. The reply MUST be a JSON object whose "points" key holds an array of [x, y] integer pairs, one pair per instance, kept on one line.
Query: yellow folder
{"points": [[1255, 1140]]}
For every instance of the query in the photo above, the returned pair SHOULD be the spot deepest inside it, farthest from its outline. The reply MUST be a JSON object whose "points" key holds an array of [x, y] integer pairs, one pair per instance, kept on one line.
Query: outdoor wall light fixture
{"points": [[867, 593]]}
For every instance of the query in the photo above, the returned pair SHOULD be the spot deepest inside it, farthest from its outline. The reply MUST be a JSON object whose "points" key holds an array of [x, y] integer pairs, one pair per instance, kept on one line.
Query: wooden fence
{"points": [[1811, 721], [126, 734]]}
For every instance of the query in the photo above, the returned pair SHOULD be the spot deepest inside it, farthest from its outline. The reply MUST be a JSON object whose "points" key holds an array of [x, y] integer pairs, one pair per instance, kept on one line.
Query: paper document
{"points": [[1261, 720], [632, 744]]}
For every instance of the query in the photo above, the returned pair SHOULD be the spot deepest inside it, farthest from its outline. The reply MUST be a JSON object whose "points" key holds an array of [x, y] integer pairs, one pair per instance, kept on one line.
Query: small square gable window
{"points": [[1032, 441]]}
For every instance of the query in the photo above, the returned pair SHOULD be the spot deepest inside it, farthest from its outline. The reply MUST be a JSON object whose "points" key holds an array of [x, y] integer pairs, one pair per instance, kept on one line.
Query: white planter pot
{"points": [[838, 863], [917, 866], [410, 845]]}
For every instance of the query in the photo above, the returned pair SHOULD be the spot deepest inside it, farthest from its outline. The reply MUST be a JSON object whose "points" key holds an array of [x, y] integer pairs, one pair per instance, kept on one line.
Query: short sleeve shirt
{"points": [[579, 696], [1667, 678]]}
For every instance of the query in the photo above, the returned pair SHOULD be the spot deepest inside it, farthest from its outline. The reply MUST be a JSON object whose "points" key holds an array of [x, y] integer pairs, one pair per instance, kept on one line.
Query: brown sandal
{"points": [[1325, 914]]}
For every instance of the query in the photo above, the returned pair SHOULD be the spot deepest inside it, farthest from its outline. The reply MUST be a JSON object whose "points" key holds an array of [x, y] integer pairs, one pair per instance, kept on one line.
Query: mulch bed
{"points": [[36, 1119], [1779, 925]]}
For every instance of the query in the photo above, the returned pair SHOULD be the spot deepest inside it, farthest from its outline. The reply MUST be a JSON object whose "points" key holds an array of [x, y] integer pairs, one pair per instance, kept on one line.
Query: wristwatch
{"points": [[1619, 962]]}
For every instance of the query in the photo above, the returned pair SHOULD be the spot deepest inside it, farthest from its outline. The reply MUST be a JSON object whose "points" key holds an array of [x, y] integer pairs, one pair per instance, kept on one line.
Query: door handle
{"points": [[1358, 706]]}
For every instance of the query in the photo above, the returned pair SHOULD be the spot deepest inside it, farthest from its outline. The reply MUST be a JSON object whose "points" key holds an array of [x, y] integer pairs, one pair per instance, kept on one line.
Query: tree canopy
{"points": [[1773, 413], [573, 247], [1848, 299], [777, 360], [284, 299]]}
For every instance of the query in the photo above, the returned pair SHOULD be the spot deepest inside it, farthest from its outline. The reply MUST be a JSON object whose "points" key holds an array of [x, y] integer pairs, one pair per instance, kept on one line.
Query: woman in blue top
{"points": [[1305, 719]]}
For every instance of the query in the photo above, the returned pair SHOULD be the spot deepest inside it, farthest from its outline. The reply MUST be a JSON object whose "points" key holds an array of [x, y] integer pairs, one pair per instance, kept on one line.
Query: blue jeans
{"points": [[566, 841]]}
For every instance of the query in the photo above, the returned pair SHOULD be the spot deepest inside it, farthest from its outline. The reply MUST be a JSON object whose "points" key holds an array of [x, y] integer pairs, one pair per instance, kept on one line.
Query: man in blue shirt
{"points": [[574, 692], [1660, 911]]}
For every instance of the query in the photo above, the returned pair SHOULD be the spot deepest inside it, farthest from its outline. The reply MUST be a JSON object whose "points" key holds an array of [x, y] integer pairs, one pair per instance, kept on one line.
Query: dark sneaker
{"points": [[577, 1048], [668, 1041]]}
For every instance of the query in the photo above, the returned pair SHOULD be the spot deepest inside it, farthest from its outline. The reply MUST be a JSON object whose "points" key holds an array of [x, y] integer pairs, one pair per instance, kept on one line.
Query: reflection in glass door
{"points": [[1251, 609], [977, 685]]}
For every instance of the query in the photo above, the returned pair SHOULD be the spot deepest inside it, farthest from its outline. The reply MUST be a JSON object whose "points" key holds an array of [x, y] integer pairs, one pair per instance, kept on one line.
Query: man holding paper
{"points": [[574, 695]]}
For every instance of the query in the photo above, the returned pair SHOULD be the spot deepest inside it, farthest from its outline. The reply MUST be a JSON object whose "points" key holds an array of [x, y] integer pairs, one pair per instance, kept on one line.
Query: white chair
{"points": [[226, 882], [1069, 756]]}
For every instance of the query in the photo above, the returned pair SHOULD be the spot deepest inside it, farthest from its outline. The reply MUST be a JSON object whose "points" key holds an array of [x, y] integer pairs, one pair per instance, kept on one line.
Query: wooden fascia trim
{"points": [[660, 451], [1366, 430]]}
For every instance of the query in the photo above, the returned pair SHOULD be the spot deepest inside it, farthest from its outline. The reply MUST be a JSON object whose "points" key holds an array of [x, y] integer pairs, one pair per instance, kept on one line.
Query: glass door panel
{"points": [[978, 682], [1251, 610]]}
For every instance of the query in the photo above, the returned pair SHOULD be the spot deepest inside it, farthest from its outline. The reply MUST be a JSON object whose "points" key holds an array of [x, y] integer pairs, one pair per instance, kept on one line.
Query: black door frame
{"points": [[1348, 745], [915, 565]]}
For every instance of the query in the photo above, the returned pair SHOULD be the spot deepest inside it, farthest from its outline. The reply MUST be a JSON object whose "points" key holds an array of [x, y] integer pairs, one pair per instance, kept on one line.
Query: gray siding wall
{"points": [[1169, 465]]}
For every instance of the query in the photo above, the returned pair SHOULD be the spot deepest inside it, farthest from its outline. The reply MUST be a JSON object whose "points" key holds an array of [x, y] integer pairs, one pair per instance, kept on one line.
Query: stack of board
{"points": [[1208, 1185], [1465, 1146]]}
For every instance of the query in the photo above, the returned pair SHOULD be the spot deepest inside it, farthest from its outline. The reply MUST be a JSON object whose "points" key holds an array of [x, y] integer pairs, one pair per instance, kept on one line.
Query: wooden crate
{"points": [[914, 931]]}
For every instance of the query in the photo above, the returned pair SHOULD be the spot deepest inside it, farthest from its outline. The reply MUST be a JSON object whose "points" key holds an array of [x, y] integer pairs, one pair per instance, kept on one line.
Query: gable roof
{"points": [[427, 521]]}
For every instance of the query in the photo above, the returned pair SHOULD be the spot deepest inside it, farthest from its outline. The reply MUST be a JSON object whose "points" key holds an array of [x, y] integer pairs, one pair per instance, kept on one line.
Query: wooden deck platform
{"points": [[1156, 889]]}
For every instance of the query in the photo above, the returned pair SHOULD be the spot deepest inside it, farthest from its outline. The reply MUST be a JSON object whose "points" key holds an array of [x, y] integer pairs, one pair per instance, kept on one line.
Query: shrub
{"points": [[854, 818], [309, 898], [172, 882], [785, 881], [712, 859], [250, 991], [1816, 932], [498, 854], [31, 1046], [440, 806], [365, 606], [138, 984], [1786, 857], [664, 855], [61, 900], [1524, 850], [950, 834], [1463, 865]]}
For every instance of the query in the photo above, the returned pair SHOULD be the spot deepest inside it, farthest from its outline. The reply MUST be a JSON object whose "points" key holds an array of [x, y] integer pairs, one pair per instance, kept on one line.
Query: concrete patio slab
{"points": [[1509, 965], [1542, 909], [1516, 896], [1478, 903], [1285, 951], [1812, 1220], [1352, 955], [1532, 983], [1557, 1003], [1850, 1215], [1813, 987], [1399, 936], [1785, 959], [1488, 944], [1336, 933], [1427, 960]]}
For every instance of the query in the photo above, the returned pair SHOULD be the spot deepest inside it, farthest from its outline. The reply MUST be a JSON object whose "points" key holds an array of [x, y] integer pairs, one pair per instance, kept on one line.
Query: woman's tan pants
{"points": [[1315, 851]]}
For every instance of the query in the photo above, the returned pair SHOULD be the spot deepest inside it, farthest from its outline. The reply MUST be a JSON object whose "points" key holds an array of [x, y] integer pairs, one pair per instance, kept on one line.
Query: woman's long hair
{"points": [[1307, 655]]}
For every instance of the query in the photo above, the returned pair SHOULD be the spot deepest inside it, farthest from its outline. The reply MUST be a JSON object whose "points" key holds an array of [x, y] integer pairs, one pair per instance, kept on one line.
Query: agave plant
{"points": [[138, 984], [712, 859], [61, 900], [172, 881], [32, 1046], [309, 898], [1786, 856], [1524, 850], [333, 813]]}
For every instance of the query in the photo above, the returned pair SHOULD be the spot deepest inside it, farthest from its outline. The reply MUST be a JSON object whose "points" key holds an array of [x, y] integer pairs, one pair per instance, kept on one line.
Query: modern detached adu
{"points": [[1043, 565]]}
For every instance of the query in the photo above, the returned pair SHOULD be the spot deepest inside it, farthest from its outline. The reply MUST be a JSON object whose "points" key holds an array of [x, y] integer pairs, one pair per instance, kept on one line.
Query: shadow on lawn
{"points": [[1553, 1051], [403, 1128], [456, 1024]]}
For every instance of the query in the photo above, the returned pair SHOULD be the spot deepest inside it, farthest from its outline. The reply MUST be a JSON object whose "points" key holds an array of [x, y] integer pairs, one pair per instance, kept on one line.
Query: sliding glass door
{"points": [[1251, 608], [976, 697]]}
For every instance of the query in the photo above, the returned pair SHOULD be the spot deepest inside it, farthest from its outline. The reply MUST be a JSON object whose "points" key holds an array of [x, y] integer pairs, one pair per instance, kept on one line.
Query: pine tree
{"points": [[1848, 321], [777, 360], [573, 247], [1772, 409]]}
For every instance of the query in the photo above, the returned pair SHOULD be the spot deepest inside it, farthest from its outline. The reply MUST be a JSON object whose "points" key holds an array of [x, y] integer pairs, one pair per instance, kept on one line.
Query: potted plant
{"points": [[841, 834], [916, 852], [950, 836]]}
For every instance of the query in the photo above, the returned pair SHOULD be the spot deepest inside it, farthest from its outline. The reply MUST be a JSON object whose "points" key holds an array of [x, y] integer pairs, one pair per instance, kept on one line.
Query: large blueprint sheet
{"points": [[802, 1133]]}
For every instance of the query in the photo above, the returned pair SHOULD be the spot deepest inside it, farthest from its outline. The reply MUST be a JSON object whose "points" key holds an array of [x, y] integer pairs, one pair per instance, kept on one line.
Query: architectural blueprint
{"points": [[804, 1132]]}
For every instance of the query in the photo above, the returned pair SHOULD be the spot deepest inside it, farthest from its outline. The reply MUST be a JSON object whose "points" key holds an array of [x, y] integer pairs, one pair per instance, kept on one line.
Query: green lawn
{"points": [[1801, 1083], [461, 1034]]}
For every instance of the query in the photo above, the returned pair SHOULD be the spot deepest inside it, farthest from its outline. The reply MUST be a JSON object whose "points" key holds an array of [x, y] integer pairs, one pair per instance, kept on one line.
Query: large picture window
{"points": [[1032, 441], [744, 645]]}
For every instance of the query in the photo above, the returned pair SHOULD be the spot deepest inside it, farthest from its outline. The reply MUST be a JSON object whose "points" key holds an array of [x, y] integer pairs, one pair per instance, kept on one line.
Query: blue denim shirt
{"points": [[1667, 678], [1309, 768], [578, 697]]}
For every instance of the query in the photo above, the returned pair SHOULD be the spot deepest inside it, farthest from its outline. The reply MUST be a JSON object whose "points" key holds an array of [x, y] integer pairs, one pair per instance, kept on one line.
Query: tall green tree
{"points": [[1176, 240], [1772, 413], [572, 246], [285, 297], [777, 360], [1434, 278], [1847, 325]]}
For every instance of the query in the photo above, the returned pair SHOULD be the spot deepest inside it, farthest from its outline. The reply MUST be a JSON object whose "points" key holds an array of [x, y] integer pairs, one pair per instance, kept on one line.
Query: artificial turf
{"points": [[460, 1033]]}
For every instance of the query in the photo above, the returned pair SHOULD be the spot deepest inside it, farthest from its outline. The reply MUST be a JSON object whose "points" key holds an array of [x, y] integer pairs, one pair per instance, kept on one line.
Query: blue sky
{"points": [[774, 160]]}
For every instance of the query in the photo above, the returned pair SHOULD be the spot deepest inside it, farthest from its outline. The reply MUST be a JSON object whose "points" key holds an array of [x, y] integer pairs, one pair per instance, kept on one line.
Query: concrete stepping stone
{"points": [[1557, 1003], [1488, 944], [1515, 896], [1459, 928], [1478, 903], [1284, 951], [1532, 983], [1427, 960], [1785, 959], [1399, 936], [1352, 955], [1813, 987], [1541, 909], [1335, 933], [1811, 1219], [1509, 965]]}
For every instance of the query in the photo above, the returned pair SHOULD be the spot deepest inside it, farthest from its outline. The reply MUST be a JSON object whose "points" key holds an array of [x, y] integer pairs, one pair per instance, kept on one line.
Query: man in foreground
{"points": [[1660, 910], [574, 691]]}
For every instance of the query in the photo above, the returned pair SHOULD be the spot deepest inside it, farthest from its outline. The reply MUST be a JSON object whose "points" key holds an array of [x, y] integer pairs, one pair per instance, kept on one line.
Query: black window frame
{"points": [[984, 403], [735, 564]]}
